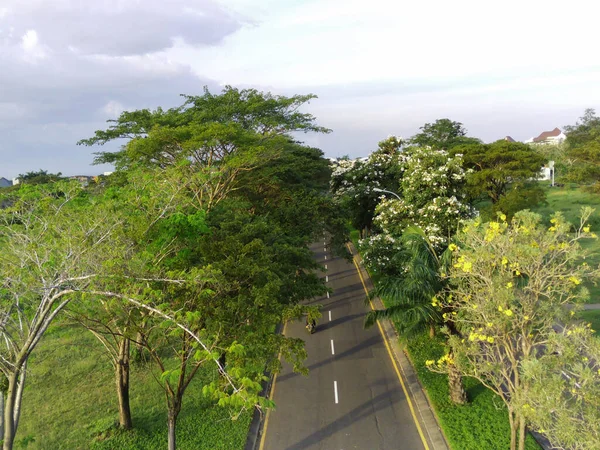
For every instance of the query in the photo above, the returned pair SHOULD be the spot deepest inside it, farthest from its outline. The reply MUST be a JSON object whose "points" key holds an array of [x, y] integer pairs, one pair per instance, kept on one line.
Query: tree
{"points": [[39, 177], [443, 134], [53, 246], [510, 285], [352, 181], [432, 187], [497, 166], [563, 402], [583, 148]]}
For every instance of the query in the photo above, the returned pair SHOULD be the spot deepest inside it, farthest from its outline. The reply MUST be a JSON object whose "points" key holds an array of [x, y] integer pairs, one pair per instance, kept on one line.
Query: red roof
{"points": [[546, 134]]}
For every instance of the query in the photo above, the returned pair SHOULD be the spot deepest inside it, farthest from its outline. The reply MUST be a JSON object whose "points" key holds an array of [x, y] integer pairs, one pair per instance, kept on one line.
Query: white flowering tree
{"points": [[433, 185], [353, 180]]}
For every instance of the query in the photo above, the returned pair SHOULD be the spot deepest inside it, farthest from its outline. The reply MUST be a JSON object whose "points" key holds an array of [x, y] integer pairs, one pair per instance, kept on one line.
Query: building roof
{"points": [[509, 139], [547, 134], [5, 183]]}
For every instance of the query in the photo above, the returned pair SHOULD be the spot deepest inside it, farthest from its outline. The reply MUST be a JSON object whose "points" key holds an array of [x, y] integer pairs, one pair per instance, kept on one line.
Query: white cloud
{"points": [[113, 109], [32, 50]]}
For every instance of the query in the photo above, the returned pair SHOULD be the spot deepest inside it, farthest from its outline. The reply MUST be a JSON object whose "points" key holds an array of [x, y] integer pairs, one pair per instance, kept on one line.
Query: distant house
{"points": [[508, 139], [5, 183], [83, 179], [555, 136]]}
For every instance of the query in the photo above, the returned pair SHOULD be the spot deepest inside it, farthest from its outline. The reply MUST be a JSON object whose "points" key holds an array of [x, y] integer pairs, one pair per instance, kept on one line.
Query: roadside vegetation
{"points": [[140, 311], [470, 279]]}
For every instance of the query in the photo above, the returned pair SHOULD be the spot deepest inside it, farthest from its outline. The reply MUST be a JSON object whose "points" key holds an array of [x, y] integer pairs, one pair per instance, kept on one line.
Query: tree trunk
{"points": [[457, 391], [513, 430], [522, 431], [122, 379], [9, 418], [19, 396], [2, 394], [173, 412]]}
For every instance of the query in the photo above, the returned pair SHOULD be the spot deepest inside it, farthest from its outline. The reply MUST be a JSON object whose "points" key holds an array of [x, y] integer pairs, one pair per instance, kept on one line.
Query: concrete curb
{"points": [[426, 415]]}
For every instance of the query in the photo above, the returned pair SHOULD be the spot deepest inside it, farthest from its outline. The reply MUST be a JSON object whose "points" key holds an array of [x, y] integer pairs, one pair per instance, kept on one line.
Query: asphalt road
{"points": [[352, 398]]}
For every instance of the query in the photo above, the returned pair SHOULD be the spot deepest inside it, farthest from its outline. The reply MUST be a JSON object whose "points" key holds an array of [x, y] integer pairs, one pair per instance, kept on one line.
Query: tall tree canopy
{"points": [[443, 134]]}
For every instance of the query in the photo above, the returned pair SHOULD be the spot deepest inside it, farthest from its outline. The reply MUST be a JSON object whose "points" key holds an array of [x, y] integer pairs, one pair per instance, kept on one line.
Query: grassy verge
{"points": [[482, 423], [70, 403], [569, 200], [593, 317]]}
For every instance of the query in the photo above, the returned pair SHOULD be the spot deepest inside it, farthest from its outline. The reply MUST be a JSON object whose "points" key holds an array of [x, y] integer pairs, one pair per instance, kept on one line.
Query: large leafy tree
{"points": [[443, 134], [512, 284], [502, 171]]}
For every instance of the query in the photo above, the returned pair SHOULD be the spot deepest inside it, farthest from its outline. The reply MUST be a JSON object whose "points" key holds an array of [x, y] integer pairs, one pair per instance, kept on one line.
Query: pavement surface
{"points": [[352, 397]]}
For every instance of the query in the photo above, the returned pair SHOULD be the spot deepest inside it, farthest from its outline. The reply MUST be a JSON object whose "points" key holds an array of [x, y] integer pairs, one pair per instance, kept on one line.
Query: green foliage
{"points": [[39, 177], [583, 147], [520, 196], [443, 134], [408, 293], [495, 166]]}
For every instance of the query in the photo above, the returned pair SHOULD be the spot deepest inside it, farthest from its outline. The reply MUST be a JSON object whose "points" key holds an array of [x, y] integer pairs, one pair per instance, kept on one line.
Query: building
{"points": [[555, 136], [5, 183], [508, 139]]}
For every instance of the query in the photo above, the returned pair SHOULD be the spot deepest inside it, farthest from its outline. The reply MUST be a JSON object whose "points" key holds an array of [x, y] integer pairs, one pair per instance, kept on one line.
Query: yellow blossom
{"points": [[429, 362], [490, 339], [452, 247], [489, 324], [526, 317], [508, 312], [500, 308], [586, 229], [574, 280], [504, 261], [502, 217], [509, 285]]}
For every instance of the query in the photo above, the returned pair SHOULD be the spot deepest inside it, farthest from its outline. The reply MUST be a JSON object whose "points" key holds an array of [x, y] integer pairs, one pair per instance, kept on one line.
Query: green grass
{"points": [[593, 317], [480, 424], [569, 200], [354, 237], [70, 403]]}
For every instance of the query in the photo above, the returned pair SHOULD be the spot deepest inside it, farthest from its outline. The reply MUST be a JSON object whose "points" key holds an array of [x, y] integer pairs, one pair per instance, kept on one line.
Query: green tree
{"points": [[54, 245], [39, 177], [511, 284], [504, 172], [443, 134], [583, 148]]}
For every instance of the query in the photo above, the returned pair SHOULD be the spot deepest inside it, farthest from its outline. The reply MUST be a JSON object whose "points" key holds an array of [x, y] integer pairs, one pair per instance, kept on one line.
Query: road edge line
{"points": [[398, 374], [263, 430]]}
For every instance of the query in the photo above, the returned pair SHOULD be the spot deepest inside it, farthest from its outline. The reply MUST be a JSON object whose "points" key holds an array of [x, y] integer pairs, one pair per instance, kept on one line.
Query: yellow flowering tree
{"points": [[513, 285]]}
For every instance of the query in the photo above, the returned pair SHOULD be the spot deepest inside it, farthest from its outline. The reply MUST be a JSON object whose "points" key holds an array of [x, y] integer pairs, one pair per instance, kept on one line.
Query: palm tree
{"points": [[410, 295]]}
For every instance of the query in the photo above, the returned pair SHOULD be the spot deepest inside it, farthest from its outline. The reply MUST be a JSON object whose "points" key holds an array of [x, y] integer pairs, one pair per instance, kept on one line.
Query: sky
{"points": [[378, 67]]}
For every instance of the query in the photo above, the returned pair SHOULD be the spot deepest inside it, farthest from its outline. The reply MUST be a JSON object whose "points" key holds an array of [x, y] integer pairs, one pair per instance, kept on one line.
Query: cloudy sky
{"points": [[379, 67]]}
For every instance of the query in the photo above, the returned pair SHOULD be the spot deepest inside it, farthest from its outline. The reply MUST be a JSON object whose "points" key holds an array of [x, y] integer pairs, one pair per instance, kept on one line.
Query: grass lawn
{"points": [[569, 200], [593, 317], [70, 403]]}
